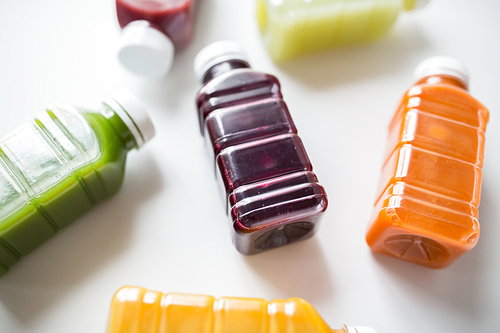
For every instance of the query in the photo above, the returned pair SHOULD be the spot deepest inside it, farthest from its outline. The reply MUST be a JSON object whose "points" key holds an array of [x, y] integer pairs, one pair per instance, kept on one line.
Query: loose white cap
{"points": [[216, 53], [441, 65], [360, 329], [145, 50], [133, 114]]}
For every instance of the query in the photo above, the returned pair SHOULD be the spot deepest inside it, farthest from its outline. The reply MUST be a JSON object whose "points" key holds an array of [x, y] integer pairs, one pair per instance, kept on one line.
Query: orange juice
{"points": [[138, 310], [427, 206]]}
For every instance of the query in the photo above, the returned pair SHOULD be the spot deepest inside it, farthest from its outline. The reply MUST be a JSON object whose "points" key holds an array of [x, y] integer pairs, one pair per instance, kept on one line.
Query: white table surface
{"points": [[166, 230]]}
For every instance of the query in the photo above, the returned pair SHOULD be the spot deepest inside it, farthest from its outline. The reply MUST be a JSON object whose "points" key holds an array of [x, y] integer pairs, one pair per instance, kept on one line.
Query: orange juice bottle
{"points": [[428, 197], [138, 310]]}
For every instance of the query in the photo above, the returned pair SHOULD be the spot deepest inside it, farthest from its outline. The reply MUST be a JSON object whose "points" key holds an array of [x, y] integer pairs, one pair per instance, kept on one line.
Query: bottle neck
{"points": [[443, 79], [119, 126], [224, 67]]}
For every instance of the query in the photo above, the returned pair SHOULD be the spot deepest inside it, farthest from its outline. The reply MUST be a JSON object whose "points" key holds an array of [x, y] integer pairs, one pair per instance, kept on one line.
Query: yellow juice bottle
{"points": [[292, 28], [138, 310]]}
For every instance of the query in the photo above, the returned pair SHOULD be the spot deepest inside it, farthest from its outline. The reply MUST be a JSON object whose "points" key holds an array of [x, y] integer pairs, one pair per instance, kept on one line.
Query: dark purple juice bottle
{"points": [[272, 195]]}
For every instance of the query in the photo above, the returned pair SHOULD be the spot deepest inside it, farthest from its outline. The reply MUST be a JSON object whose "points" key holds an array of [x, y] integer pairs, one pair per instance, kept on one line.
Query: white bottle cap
{"points": [[145, 50], [216, 53], [133, 114], [441, 65], [359, 329]]}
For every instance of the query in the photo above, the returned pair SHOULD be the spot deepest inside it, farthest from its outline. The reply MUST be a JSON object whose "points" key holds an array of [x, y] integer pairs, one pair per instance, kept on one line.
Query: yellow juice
{"points": [[138, 310], [292, 28]]}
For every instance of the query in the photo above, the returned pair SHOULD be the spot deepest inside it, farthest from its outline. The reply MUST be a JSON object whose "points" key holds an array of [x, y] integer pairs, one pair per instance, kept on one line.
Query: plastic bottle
{"points": [[273, 196], [152, 31], [292, 28], [57, 167], [138, 310], [427, 209]]}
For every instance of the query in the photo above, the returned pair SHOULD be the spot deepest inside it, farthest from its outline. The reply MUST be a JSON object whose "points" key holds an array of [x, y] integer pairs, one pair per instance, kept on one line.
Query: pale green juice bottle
{"points": [[57, 167], [292, 28]]}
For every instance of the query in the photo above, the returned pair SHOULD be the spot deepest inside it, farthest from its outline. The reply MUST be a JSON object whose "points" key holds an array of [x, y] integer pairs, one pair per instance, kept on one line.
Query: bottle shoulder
{"points": [[446, 94], [236, 87], [110, 142], [109, 161], [245, 78], [446, 101]]}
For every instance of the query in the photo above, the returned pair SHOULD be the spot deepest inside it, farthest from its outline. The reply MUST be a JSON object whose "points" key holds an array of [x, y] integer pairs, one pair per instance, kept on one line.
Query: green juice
{"points": [[57, 167], [292, 28]]}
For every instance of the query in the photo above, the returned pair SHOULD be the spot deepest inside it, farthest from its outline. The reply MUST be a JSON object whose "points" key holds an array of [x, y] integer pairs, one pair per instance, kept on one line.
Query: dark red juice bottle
{"points": [[152, 31], [273, 196]]}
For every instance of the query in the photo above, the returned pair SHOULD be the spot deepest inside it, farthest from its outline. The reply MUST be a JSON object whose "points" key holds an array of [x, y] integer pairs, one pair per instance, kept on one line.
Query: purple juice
{"points": [[262, 159], [230, 126], [242, 86], [273, 196], [271, 185], [278, 218]]}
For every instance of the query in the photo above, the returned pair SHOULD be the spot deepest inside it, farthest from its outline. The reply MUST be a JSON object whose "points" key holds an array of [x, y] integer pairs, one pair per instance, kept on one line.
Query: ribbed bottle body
{"points": [[260, 161], [427, 208], [292, 28], [52, 170], [138, 310]]}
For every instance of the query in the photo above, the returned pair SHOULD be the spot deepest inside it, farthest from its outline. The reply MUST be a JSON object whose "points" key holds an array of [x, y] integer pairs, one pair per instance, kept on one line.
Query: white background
{"points": [[166, 230]]}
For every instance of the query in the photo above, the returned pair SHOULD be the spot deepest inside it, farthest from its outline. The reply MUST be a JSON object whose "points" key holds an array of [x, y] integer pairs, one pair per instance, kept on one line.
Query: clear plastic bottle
{"points": [[427, 208], [138, 310], [292, 28], [273, 196], [58, 166], [152, 31]]}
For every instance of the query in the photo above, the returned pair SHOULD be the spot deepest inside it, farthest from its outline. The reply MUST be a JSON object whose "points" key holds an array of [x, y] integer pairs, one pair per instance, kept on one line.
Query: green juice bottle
{"points": [[58, 166], [292, 28]]}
